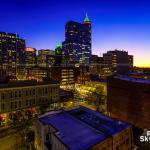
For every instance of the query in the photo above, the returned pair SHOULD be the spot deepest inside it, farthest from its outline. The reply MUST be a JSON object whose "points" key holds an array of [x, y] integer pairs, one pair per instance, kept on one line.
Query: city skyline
{"points": [[115, 25]]}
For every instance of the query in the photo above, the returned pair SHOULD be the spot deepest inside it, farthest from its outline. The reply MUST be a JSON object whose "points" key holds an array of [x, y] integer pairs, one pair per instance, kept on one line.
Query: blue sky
{"points": [[121, 24]]}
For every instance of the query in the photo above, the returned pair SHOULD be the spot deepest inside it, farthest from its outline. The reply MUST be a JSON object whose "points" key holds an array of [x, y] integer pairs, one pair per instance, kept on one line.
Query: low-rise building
{"points": [[94, 92], [80, 128], [128, 99], [19, 96]]}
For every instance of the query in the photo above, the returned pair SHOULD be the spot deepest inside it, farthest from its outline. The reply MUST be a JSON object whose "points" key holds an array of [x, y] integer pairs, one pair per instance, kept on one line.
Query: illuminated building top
{"points": [[30, 49], [87, 20], [58, 49]]}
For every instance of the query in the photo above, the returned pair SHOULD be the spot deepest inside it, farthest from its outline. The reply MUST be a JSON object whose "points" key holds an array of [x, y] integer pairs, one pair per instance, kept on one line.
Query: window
{"points": [[15, 93], [11, 105], [19, 103], [3, 96], [26, 93], [30, 102], [117, 147], [11, 95], [26, 102], [3, 106], [127, 141], [15, 104], [45, 90], [33, 101], [33, 91], [19, 93], [47, 137]]}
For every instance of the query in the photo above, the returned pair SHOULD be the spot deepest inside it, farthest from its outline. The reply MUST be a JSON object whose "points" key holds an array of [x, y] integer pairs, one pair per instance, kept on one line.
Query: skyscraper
{"points": [[11, 52], [77, 44]]}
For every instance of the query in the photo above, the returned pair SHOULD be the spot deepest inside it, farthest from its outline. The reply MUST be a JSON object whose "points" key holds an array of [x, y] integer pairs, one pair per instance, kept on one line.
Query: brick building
{"points": [[128, 99]]}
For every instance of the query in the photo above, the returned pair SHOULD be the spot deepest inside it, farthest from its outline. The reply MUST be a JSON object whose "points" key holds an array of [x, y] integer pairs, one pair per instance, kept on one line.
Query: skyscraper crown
{"points": [[87, 20]]}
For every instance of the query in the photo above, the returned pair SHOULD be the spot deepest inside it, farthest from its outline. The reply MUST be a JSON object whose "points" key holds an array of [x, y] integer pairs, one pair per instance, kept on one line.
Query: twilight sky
{"points": [[116, 24]]}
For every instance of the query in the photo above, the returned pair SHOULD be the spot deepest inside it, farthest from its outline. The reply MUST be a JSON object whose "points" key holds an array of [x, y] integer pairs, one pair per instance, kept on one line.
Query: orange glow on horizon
{"points": [[142, 62]]}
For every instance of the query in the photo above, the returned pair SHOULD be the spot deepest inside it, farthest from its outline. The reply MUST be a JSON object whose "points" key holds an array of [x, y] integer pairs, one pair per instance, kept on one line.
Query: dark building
{"points": [[128, 99], [67, 76], [77, 44], [118, 61], [80, 128], [30, 57], [45, 58], [130, 59], [37, 73], [11, 52], [96, 64], [141, 69]]}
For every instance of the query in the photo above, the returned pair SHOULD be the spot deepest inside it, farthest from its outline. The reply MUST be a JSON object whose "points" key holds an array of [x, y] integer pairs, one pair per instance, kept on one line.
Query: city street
{"points": [[14, 138], [10, 142]]}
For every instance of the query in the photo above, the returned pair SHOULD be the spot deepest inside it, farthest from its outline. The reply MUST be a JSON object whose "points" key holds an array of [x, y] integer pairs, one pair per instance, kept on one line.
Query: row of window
{"points": [[17, 104], [28, 102], [17, 94]]}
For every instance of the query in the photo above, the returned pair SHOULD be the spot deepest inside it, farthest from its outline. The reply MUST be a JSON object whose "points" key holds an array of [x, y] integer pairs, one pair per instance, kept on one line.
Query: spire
{"points": [[87, 20]]}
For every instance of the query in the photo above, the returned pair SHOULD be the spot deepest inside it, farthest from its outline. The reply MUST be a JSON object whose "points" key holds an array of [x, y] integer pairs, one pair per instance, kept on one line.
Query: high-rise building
{"points": [[30, 56], [59, 55], [118, 61], [11, 52], [77, 44], [45, 58]]}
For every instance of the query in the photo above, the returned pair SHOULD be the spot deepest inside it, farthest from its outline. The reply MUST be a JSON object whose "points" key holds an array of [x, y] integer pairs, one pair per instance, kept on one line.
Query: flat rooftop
{"points": [[24, 83], [125, 78], [80, 128]]}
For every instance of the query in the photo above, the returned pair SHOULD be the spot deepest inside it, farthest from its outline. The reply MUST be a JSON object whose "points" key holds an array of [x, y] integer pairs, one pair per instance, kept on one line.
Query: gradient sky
{"points": [[116, 24]]}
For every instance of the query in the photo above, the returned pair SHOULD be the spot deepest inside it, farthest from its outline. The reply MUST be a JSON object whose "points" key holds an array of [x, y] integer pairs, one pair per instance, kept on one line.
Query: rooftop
{"points": [[80, 128], [24, 83], [125, 78]]}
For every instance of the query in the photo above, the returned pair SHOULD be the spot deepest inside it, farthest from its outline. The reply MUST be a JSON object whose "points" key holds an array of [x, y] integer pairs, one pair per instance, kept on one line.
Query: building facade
{"points": [[128, 100], [11, 52], [37, 73], [19, 96], [77, 44], [67, 76], [93, 93], [80, 128]]}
